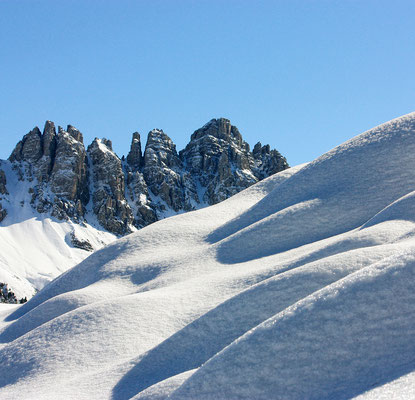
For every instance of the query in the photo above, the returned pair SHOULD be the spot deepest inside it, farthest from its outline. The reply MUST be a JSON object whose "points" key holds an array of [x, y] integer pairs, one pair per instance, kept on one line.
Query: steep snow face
{"points": [[299, 287]]}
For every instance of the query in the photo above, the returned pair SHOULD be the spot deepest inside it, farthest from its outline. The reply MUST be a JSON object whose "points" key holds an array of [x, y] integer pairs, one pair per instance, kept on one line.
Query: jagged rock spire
{"points": [[109, 203], [29, 148], [135, 157], [49, 139]]}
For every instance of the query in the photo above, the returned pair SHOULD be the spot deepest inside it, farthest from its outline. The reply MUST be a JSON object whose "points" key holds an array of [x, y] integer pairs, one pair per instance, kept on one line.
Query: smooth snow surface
{"points": [[300, 287]]}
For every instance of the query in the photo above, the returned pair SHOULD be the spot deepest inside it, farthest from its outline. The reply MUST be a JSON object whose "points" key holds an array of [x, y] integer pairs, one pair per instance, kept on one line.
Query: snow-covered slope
{"points": [[51, 180], [300, 287], [34, 247]]}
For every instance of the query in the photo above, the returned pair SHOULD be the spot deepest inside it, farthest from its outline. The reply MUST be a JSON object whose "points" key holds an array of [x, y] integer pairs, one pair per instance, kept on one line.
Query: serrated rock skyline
{"points": [[70, 181]]}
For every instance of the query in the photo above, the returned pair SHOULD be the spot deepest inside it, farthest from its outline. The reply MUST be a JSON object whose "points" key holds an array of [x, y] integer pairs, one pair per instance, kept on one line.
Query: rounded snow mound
{"points": [[299, 287], [338, 192]]}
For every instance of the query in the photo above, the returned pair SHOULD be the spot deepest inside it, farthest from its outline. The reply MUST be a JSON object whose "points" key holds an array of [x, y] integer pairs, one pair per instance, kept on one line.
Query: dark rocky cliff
{"points": [[71, 182]]}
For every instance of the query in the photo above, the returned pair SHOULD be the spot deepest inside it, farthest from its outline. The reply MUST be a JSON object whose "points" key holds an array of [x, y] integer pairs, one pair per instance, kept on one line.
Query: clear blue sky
{"points": [[302, 76]]}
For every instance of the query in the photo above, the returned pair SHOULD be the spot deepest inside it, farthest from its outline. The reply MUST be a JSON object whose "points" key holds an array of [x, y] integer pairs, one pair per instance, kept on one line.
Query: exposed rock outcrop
{"points": [[135, 156], [56, 163], [267, 161], [163, 171], [48, 144], [221, 161], [3, 191], [143, 207], [3, 212], [82, 244], [109, 203], [29, 148], [3, 182], [68, 178], [139, 190]]}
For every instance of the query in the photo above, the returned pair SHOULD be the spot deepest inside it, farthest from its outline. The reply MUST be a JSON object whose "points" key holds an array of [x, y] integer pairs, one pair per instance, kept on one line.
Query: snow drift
{"points": [[300, 287]]}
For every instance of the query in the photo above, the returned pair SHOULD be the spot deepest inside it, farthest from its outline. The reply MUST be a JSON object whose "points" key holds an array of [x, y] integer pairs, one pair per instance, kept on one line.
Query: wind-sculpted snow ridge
{"points": [[299, 287]]}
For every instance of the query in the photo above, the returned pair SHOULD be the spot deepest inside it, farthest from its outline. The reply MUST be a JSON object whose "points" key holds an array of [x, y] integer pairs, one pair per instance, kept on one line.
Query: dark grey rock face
{"points": [[3, 213], [81, 243], [162, 171], [135, 157], [156, 181], [221, 161], [267, 161], [216, 164], [69, 172], [108, 199], [3, 182], [3, 192], [29, 148], [48, 145], [68, 175], [56, 164], [138, 197]]}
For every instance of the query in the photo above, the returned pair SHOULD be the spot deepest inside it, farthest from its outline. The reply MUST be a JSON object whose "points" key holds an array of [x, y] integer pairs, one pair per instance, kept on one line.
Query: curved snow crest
{"points": [[325, 197], [104, 264], [332, 344], [299, 287], [401, 209]]}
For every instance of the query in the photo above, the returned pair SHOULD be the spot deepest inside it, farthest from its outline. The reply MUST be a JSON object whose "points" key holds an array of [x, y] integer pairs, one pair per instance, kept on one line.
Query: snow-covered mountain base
{"points": [[36, 248], [299, 287], [52, 177]]}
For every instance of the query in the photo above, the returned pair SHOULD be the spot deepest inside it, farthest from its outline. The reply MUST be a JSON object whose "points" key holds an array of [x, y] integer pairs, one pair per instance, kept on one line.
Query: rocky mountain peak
{"points": [[220, 159], [49, 139], [158, 140], [160, 150], [69, 172], [29, 148], [260, 150], [108, 181], [135, 156], [220, 128], [75, 133], [101, 145], [267, 161], [216, 164], [107, 143], [49, 127]]}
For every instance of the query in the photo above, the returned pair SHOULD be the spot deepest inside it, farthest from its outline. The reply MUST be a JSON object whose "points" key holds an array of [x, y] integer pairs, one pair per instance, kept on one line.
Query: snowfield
{"points": [[299, 287]]}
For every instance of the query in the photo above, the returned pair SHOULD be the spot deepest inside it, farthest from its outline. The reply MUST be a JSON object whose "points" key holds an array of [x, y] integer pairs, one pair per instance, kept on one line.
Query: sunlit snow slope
{"points": [[300, 287], [34, 247]]}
